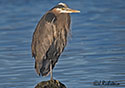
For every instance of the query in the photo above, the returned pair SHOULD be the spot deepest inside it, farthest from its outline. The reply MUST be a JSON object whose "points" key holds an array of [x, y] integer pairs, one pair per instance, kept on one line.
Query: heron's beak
{"points": [[72, 11], [68, 10]]}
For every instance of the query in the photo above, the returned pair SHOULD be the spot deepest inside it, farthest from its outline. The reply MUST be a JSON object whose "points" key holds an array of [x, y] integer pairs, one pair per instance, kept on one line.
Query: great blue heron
{"points": [[50, 38]]}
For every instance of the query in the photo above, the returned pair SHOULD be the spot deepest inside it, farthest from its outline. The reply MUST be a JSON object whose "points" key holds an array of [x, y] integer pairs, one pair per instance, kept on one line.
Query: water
{"points": [[96, 50]]}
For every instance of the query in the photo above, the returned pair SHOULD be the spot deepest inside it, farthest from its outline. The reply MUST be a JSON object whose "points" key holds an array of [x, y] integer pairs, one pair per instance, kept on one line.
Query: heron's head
{"points": [[63, 8]]}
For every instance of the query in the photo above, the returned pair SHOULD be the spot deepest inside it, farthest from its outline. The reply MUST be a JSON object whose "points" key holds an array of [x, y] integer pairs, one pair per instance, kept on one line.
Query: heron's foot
{"points": [[51, 78]]}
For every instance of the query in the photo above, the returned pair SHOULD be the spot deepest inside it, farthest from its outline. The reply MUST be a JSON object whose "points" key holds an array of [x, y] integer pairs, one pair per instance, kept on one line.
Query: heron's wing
{"points": [[42, 39]]}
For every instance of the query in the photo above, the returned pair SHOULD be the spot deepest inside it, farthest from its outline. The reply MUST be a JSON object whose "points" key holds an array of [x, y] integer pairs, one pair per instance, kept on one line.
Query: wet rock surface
{"points": [[50, 84]]}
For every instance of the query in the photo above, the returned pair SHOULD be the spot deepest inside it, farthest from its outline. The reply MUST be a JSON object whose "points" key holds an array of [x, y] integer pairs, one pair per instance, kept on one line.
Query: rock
{"points": [[50, 84]]}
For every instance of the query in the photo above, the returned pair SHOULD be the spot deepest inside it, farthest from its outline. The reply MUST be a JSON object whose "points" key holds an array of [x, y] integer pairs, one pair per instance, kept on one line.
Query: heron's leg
{"points": [[51, 70]]}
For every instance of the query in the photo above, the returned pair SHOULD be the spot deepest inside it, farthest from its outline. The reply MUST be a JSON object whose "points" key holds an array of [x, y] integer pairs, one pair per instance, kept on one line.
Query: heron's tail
{"points": [[37, 67], [43, 68]]}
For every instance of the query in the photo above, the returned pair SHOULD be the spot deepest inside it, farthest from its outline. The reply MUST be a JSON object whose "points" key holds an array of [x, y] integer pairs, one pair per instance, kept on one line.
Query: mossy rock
{"points": [[50, 84]]}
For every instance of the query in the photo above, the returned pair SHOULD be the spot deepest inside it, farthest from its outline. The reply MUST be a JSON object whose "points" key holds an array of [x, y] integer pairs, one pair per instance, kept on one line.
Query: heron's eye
{"points": [[63, 9]]}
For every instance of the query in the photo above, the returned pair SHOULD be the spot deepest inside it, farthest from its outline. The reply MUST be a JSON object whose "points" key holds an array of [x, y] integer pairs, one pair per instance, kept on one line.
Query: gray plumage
{"points": [[49, 40]]}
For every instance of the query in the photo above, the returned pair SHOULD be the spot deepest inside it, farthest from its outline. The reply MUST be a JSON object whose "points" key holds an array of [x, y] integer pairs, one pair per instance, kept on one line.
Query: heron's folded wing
{"points": [[43, 38]]}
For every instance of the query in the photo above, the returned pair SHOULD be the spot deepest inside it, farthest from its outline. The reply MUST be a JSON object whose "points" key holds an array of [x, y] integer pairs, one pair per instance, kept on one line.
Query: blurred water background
{"points": [[96, 50]]}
